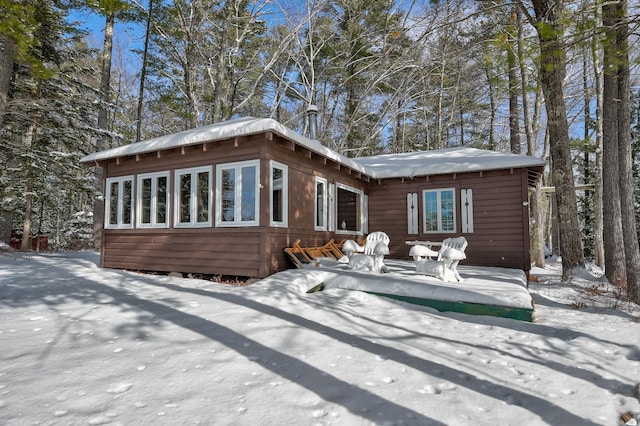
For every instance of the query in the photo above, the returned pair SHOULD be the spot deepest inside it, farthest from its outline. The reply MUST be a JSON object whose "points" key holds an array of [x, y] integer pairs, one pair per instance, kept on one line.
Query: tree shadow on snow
{"points": [[64, 287], [541, 407]]}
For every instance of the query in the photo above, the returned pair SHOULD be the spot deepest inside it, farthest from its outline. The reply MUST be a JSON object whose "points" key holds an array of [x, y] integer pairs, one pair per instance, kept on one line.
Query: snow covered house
{"points": [[228, 198]]}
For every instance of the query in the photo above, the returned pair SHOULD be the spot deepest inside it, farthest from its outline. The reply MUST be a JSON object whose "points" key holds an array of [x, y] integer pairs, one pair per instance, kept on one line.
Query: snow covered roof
{"points": [[220, 131], [442, 161], [410, 164]]}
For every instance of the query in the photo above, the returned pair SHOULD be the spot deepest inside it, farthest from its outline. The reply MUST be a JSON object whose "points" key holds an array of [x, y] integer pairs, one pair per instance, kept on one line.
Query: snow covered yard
{"points": [[81, 345]]}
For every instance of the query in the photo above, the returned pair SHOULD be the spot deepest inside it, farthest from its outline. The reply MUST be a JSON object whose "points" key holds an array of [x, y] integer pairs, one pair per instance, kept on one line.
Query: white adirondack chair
{"points": [[449, 255], [373, 239], [372, 258]]}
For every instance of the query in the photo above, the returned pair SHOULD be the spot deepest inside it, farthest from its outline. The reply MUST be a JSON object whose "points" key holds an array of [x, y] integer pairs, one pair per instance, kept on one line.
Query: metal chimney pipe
{"points": [[312, 117]]}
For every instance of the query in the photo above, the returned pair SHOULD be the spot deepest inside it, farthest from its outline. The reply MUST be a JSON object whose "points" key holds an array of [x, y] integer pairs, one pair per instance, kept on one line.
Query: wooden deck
{"points": [[493, 291]]}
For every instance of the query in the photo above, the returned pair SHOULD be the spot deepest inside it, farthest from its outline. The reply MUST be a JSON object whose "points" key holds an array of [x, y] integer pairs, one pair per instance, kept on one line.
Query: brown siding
{"points": [[501, 229], [251, 251], [303, 169], [226, 252], [500, 237]]}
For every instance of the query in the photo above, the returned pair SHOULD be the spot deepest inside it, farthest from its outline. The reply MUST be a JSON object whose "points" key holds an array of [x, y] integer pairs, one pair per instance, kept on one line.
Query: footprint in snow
{"points": [[430, 390], [447, 386], [101, 420], [318, 413], [120, 388]]}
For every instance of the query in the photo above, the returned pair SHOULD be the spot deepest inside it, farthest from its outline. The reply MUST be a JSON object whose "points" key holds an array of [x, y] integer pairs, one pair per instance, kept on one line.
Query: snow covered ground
{"points": [[82, 345]]}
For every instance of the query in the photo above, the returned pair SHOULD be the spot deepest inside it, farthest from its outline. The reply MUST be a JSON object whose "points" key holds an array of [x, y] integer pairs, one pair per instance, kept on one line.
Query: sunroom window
{"points": [[350, 209], [279, 194], [119, 205], [192, 197], [153, 200], [237, 194], [439, 210]]}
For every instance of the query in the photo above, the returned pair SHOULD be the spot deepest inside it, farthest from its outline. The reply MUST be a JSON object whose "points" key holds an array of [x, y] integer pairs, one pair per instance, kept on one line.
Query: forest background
{"points": [[556, 79]]}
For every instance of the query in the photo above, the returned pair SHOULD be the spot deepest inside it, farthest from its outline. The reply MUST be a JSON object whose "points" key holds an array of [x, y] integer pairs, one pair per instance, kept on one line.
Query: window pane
{"points": [[126, 202], [431, 211], [320, 207], [446, 200], [358, 212], [228, 194], [349, 210], [277, 194], [185, 198], [146, 201], [113, 203], [203, 196], [161, 200], [248, 197]]}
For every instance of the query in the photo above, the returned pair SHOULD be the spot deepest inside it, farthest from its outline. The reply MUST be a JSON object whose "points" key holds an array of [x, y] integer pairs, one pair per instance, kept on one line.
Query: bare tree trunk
{"points": [[514, 121], [143, 74], [105, 75], [492, 105], [28, 197], [7, 57], [597, 195], [103, 121], [536, 213], [549, 16], [615, 264], [26, 227], [536, 206], [626, 186]]}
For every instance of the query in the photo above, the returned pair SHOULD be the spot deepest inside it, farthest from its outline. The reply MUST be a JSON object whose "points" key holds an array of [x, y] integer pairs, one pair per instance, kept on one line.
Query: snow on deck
{"points": [[491, 286]]}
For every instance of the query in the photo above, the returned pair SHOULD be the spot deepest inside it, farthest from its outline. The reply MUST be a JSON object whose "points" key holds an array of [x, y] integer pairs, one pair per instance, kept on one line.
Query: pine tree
{"points": [[548, 21], [205, 62], [622, 255], [46, 129]]}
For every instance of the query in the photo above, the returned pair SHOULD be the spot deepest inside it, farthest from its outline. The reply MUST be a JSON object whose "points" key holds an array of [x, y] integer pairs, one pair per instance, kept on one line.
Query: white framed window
{"points": [[351, 211], [279, 194], [439, 210], [237, 194], [192, 197], [321, 205], [119, 203], [152, 208]]}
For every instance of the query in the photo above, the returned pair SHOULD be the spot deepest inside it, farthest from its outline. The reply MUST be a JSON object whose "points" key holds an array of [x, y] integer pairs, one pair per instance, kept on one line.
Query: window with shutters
{"points": [[439, 210]]}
